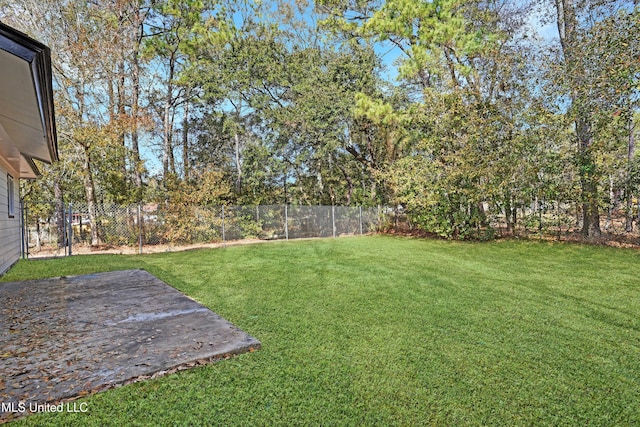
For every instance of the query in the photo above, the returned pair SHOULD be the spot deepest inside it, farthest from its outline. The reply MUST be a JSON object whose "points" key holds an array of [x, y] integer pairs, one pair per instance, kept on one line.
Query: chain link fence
{"points": [[41, 229], [54, 230]]}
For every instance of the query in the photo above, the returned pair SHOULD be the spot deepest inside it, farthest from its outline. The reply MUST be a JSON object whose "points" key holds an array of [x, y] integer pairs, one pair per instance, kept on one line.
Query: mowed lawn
{"points": [[380, 330]]}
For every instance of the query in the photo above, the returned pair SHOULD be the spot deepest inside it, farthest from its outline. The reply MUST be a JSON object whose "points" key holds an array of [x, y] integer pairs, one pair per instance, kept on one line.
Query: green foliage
{"points": [[192, 208], [291, 117], [288, 101]]}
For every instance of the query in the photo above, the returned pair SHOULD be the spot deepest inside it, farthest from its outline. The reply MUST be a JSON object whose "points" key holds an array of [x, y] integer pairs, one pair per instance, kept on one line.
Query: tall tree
{"points": [[586, 41], [572, 44], [177, 28]]}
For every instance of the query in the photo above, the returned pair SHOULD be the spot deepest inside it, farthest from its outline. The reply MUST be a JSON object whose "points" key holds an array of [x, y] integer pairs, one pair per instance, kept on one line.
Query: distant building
{"points": [[27, 128]]}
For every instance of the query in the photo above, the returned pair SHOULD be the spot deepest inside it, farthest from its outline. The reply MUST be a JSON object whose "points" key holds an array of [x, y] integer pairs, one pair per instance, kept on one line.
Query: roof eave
{"points": [[39, 57]]}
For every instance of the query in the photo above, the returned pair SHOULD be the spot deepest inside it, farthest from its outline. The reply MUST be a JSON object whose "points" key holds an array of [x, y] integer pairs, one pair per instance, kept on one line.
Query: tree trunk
{"points": [[185, 141], [349, 184], [135, 105], [609, 221], [236, 139], [167, 149], [90, 195], [628, 193], [135, 146], [507, 214], [122, 163], [588, 181], [172, 159], [567, 22], [60, 223], [166, 141]]}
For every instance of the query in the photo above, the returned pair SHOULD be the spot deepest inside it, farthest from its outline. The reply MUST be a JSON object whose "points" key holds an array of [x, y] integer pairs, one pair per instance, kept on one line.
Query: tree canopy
{"points": [[467, 114]]}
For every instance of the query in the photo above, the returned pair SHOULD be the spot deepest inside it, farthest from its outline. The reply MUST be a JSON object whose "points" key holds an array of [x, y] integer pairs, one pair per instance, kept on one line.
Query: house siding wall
{"points": [[9, 227]]}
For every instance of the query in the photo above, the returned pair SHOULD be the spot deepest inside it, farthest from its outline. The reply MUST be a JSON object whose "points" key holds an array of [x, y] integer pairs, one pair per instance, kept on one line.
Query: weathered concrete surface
{"points": [[68, 336]]}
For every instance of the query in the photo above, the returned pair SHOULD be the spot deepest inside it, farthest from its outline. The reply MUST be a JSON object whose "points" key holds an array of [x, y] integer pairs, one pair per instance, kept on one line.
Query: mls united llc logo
{"points": [[33, 407]]}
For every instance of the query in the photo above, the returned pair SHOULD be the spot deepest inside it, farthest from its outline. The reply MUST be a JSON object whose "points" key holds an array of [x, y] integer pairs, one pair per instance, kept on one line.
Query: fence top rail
{"points": [[226, 206]]}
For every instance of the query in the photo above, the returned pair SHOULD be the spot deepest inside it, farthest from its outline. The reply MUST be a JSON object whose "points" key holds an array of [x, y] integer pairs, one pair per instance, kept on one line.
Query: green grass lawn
{"points": [[393, 331]]}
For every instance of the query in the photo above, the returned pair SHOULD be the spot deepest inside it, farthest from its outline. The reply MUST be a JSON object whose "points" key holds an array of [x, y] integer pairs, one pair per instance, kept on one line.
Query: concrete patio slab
{"points": [[68, 336]]}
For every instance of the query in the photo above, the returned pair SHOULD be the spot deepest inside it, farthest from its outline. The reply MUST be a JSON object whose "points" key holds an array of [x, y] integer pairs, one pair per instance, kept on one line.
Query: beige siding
{"points": [[9, 227]]}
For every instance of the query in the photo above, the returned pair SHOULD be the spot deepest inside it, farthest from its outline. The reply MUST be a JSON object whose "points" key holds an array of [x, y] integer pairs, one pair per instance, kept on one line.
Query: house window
{"points": [[10, 196]]}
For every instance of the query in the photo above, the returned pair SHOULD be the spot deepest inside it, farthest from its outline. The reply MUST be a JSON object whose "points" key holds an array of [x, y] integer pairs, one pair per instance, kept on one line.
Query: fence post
{"points": [[24, 232], [333, 220], [360, 216], [224, 242], [140, 227], [70, 233], [286, 223]]}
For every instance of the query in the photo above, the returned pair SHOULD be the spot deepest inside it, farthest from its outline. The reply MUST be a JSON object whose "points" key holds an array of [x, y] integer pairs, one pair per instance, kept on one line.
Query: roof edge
{"points": [[39, 56], [32, 166]]}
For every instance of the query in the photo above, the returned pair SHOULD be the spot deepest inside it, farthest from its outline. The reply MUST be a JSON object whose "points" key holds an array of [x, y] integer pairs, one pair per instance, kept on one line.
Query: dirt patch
{"points": [[49, 252]]}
